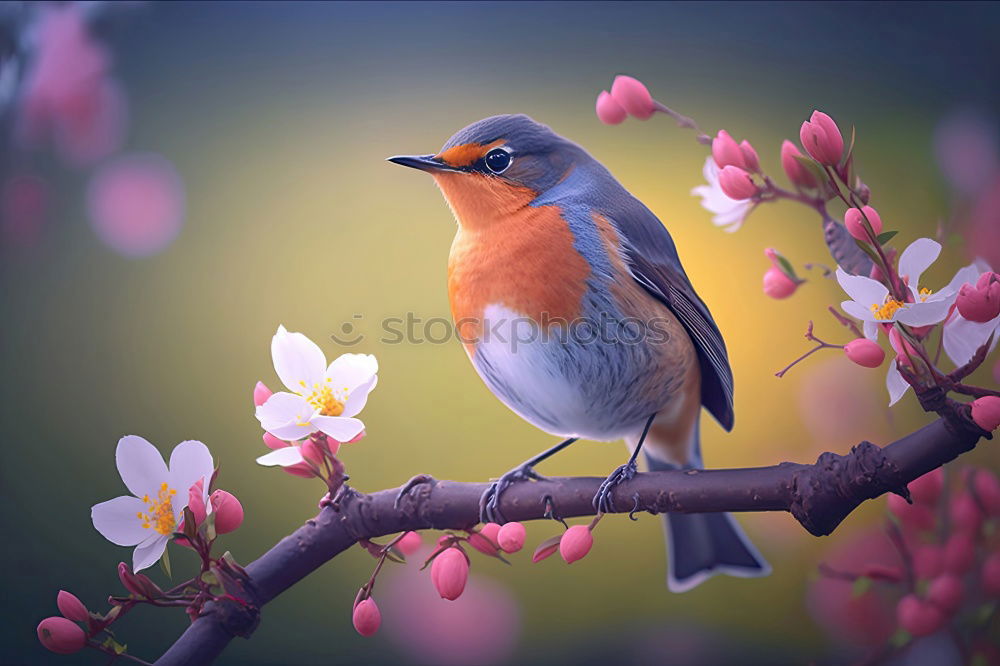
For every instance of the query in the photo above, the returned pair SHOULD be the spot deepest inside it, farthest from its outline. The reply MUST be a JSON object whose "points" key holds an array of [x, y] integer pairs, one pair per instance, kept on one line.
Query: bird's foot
{"points": [[411, 485], [489, 502], [603, 500]]}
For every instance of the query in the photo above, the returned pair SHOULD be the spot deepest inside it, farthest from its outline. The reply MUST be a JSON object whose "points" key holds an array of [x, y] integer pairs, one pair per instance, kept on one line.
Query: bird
{"points": [[570, 300]]}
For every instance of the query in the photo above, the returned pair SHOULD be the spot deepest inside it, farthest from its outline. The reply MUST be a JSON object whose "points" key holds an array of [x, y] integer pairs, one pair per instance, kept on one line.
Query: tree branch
{"points": [[819, 496]]}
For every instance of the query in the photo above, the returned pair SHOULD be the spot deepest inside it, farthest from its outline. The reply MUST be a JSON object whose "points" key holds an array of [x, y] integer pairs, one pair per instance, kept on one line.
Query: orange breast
{"points": [[509, 253]]}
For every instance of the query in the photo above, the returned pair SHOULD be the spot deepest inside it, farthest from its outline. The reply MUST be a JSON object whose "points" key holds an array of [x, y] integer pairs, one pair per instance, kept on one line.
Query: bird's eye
{"points": [[497, 160]]}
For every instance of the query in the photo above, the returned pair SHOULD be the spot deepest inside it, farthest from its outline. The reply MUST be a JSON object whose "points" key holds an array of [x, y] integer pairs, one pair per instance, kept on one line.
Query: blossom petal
{"points": [[341, 428], [117, 521], [357, 398], [916, 258], [148, 552], [871, 330], [349, 371], [286, 416], [189, 462], [290, 455], [967, 274], [895, 383], [863, 290], [298, 361], [922, 314], [857, 311], [140, 465], [963, 338]]}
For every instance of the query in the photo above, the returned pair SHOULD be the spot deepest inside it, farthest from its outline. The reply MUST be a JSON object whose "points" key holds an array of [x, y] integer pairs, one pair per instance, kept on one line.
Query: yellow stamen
{"points": [[160, 511], [324, 399], [924, 293], [886, 311]]}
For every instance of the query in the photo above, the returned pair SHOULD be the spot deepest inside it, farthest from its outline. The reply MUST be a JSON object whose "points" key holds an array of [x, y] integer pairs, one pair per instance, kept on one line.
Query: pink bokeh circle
{"points": [[136, 204]]}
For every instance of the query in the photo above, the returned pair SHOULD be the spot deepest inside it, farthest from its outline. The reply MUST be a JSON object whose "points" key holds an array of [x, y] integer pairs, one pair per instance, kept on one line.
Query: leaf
{"points": [[861, 586], [395, 555], [210, 578], [867, 250], [814, 168], [546, 548], [885, 237], [900, 638], [786, 266], [165, 563]]}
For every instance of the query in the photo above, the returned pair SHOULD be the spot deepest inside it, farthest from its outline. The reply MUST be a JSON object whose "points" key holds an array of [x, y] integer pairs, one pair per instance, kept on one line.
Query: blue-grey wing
{"points": [[653, 259]]}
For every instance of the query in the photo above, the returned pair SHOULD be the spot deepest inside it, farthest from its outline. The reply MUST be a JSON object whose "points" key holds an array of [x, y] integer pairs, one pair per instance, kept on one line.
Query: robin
{"points": [[572, 304]]}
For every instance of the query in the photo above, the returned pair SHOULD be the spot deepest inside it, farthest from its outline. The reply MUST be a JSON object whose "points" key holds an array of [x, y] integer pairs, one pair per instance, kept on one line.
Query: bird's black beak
{"points": [[422, 162]]}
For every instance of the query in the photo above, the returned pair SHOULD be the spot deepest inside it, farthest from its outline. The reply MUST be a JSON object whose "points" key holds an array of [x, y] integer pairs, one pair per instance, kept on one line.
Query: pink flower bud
{"points": [[912, 516], [726, 152], [61, 636], [272, 442], [928, 561], [228, 511], [927, 489], [855, 222], [367, 617], [980, 303], [750, 156], [918, 617], [576, 542], [410, 543], [511, 537], [777, 284], [633, 96], [986, 412], [796, 172], [301, 470], [450, 572], [71, 607], [865, 352], [987, 488], [196, 501], [947, 592], [482, 544], [966, 516], [883, 572], [312, 452], [821, 138], [491, 531], [736, 183], [991, 575], [260, 394], [959, 553], [609, 111]]}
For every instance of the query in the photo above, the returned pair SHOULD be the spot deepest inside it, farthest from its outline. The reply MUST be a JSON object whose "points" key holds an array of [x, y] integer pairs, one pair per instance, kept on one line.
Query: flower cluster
{"points": [[941, 574]]}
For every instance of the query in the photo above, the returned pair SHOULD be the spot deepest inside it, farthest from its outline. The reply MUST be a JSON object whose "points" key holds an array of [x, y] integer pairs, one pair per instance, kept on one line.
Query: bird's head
{"points": [[495, 166]]}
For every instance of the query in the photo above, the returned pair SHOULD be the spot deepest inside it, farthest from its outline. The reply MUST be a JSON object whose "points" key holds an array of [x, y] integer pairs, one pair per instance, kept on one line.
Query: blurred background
{"points": [[223, 173]]}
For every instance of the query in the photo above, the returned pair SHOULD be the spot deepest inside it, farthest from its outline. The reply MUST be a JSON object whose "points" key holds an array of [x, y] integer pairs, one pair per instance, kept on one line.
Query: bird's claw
{"points": [[604, 500], [408, 487], [489, 502]]}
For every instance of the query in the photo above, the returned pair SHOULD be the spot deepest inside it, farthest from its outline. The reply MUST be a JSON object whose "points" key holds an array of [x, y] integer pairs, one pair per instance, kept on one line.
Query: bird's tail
{"points": [[700, 545]]}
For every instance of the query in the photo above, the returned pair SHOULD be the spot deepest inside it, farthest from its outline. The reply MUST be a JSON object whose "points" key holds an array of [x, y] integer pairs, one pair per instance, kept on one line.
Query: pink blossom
{"points": [[450, 572], [633, 96], [228, 511], [511, 537], [71, 607], [795, 170], [196, 502], [61, 636], [822, 139], [918, 616], [260, 394], [736, 183], [609, 111], [136, 204], [959, 553], [980, 303], [928, 561], [947, 592], [865, 352], [726, 152], [410, 543], [576, 542], [777, 284], [490, 531], [965, 513], [912, 516], [927, 489], [367, 617], [991, 575], [750, 156], [987, 488], [855, 222]]}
